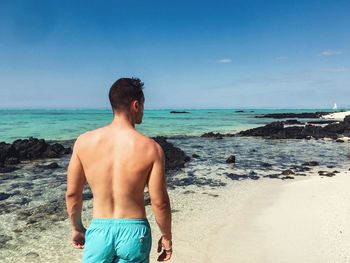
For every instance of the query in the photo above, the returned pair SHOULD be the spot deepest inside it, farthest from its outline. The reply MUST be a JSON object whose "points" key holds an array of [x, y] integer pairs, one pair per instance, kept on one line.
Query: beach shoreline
{"points": [[304, 220]]}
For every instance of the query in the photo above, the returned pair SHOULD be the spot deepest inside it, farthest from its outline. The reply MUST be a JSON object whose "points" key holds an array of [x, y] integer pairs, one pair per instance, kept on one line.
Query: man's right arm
{"points": [[160, 202]]}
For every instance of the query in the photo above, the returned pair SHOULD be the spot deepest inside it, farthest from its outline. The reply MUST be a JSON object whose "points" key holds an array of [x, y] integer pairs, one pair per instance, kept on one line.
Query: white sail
{"points": [[335, 106]]}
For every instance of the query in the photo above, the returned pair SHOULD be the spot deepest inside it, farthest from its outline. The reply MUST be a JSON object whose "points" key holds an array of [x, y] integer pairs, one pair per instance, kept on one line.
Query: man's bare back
{"points": [[117, 163]]}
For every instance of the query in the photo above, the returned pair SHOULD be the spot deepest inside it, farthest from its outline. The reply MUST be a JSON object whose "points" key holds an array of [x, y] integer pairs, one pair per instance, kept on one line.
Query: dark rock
{"points": [[179, 111], [189, 192], [231, 159], [347, 119], [339, 140], [287, 172], [236, 177], [267, 130], [239, 111], [53, 211], [336, 172], [310, 163], [6, 151], [212, 135], [254, 177], [292, 122], [299, 174], [287, 177], [330, 166], [198, 181], [216, 135], [195, 155], [213, 195], [175, 158], [32, 255], [29, 149], [11, 161], [307, 115], [87, 195], [276, 130], [335, 128], [328, 174], [8, 169], [4, 196], [273, 176], [263, 164], [322, 172]]}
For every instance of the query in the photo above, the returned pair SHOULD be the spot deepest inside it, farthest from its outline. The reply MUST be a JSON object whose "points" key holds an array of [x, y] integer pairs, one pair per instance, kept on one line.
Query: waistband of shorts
{"points": [[119, 221]]}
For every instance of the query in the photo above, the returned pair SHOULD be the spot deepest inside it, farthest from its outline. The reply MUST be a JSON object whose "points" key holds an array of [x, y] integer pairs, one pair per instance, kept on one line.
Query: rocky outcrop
{"points": [[28, 149], [277, 130], [179, 111], [216, 135], [303, 115], [175, 158], [231, 159]]}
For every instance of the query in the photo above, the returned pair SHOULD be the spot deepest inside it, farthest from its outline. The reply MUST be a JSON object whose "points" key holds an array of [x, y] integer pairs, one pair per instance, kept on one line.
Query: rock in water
{"points": [[231, 159], [311, 163], [4, 196], [175, 158], [308, 115], [287, 172], [28, 149], [179, 111]]}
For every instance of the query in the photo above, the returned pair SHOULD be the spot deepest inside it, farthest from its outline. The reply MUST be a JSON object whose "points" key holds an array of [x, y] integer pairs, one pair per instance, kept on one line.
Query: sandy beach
{"points": [[338, 116], [276, 221]]}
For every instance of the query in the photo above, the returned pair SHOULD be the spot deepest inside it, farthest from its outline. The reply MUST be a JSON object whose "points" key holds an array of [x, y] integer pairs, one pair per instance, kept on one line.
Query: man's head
{"points": [[126, 96]]}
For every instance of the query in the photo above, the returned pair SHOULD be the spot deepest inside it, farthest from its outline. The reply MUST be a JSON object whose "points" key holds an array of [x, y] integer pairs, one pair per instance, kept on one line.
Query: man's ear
{"points": [[135, 104]]}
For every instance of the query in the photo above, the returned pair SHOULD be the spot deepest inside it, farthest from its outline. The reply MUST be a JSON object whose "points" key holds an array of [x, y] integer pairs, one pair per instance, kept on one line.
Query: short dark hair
{"points": [[124, 91]]}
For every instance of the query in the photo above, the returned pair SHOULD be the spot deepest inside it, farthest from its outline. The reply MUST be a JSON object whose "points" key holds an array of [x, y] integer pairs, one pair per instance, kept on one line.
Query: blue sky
{"points": [[190, 54]]}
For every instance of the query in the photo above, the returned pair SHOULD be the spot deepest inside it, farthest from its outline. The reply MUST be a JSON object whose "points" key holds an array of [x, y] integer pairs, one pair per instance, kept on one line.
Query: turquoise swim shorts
{"points": [[117, 240]]}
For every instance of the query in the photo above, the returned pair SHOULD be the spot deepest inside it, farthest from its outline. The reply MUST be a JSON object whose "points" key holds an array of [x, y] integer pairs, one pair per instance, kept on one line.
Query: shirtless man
{"points": [[118, 162]]}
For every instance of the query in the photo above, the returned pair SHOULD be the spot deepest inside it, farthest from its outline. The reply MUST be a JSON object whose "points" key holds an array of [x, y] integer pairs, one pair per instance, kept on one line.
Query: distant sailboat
{"points": [[335, 106]]}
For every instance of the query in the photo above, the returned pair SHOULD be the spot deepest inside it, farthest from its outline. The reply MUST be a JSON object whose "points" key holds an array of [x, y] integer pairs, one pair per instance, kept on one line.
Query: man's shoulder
{"points": [[151, 144], [84, 138]]}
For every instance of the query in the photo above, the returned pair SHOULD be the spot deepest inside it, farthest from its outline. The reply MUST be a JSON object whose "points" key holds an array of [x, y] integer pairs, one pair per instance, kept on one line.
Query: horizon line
{"points": [[173, 108]]}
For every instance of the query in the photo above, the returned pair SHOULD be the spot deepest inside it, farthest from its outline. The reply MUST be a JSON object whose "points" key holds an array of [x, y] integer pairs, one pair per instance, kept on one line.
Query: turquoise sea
{"points": [[33, 220], [66, 124]]}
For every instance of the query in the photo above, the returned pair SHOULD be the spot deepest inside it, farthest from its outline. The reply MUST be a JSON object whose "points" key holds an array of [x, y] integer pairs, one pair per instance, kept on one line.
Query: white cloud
{"points": [[329, 53], [225, 60], [335, 69]]}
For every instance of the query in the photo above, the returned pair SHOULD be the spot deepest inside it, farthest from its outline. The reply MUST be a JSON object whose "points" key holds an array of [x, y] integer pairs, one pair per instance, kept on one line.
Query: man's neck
{"points": [[122, 120]]}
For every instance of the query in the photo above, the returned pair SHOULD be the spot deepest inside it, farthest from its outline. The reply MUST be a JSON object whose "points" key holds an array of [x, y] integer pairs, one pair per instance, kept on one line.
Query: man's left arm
{"points": [[74, 196]]}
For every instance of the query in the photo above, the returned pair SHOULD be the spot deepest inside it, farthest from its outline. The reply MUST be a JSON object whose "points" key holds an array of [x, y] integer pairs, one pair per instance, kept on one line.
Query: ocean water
{"points": [[65, 124], [33, 220]]}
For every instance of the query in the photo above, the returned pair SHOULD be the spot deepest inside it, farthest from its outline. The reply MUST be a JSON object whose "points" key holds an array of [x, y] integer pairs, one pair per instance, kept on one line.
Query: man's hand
{"points": [[165, 244], [78, 238]]}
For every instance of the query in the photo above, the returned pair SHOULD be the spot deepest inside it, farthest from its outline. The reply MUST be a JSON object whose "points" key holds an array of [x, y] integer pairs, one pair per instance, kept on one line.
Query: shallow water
{"points": [[36, 206], [33, 220]]}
